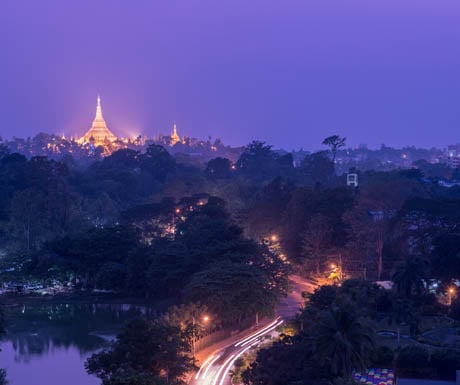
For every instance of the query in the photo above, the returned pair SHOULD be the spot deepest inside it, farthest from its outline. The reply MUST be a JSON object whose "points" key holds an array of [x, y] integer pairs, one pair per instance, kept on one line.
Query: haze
{"points": [[287, 72]]}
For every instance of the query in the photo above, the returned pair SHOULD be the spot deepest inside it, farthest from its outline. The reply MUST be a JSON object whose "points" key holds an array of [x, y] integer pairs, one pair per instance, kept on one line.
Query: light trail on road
{"points": [[216, 378], [209, 366], [214, 373], [215, 369], [204, 365], [232, 362], [258, 336], [257, 332]]}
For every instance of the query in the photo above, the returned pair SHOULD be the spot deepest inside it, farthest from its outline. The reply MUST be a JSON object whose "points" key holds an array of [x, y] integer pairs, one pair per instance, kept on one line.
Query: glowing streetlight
{"points": [[337, 273], [274, 238], [450, 294], [205, 319]]}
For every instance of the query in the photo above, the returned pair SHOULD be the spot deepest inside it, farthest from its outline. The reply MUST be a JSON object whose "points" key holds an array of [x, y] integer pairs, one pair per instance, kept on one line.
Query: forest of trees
{"points": [[126, 205]]}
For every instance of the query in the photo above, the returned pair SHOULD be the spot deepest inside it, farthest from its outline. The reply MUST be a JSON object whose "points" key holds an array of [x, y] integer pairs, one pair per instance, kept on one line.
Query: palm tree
{"points": [[343, 341]]}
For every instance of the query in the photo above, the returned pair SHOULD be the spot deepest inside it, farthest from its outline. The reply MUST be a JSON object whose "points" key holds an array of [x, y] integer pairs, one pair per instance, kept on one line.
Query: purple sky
{"points": [[289, 72]]}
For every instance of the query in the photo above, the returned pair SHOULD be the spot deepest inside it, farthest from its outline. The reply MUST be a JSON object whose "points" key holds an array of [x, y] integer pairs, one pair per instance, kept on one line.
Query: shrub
{"points": [[412, 360], [445, 362], [383, 357]]}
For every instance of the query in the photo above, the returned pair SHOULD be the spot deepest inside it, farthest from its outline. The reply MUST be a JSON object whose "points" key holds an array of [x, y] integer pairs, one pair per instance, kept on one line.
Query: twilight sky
{"points": [[289, 72]]}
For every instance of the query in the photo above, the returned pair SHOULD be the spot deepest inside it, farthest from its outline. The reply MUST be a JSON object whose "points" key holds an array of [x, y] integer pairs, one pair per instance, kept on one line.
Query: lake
{"points": [[47, 344]]}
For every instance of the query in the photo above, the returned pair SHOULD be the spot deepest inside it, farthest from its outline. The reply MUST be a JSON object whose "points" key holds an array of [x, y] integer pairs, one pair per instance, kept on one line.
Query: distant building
{"points": [[453, 161], [174, 136], [99, 134], [352, 178]]}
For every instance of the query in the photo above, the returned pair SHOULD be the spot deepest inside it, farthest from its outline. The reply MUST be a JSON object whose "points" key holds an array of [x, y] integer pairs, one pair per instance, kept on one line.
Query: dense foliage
{"points": [[334, 336], [144, 353]]}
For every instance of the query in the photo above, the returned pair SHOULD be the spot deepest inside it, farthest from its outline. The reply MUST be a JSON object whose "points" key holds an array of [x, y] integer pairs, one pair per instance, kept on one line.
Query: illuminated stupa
{"points": [[99, 134], [174, 136]]}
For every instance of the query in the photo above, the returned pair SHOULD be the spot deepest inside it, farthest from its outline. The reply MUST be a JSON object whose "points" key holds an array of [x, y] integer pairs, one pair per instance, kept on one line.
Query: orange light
{"points": [[333, 266], [205, 318], [274, 238], [177, 211]]}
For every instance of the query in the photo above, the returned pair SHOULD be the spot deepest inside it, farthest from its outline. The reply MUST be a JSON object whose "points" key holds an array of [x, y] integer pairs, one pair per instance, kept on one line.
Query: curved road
{"points": [[216, 366]]}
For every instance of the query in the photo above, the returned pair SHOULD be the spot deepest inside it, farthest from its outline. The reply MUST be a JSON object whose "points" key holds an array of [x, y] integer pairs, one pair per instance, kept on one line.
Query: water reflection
{"points": [[62, 334]]}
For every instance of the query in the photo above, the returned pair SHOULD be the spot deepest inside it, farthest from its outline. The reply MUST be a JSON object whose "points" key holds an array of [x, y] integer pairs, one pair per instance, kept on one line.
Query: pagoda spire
{"points": [[99, 134], [98, 109], [174, 137]]}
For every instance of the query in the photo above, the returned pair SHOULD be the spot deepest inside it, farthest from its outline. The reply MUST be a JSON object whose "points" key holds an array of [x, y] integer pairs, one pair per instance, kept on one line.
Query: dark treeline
{"points": [[151, 200]]}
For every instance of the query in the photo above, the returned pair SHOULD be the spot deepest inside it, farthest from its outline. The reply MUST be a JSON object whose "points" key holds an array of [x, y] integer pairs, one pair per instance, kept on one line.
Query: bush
{"points": [[455, 309], [445, 362], [412, 360], [383, 357]]}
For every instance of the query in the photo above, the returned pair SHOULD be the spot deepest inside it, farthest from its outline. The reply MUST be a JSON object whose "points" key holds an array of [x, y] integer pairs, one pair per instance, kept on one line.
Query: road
{"points": [[216, 366]]}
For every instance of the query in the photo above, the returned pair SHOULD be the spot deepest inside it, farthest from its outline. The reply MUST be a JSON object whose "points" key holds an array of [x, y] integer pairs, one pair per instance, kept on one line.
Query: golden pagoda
{"points": [[98, 134], [174, 137]]}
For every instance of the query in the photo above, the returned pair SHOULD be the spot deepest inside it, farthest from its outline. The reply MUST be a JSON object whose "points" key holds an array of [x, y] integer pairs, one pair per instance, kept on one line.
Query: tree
{"points": [[145, 352], [234, 291], [219, 168], [316, 240], [343, 341], [410, 277], [263, 218], [96, 254], [157, 162], [193, 319], [411, 360], [445, 257], [259, 162], [317, 168], [287, 364], [325, 353], [446, 361], [334, 142]]}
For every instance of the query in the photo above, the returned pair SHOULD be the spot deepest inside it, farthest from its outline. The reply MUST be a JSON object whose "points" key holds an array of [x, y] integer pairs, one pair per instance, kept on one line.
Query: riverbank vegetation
{"points": [[145, 352]]}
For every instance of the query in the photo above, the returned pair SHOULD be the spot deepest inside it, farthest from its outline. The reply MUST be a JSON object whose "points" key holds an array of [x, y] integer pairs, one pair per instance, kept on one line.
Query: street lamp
{"points": [[450, 294], [205, 319], [337, 272]]}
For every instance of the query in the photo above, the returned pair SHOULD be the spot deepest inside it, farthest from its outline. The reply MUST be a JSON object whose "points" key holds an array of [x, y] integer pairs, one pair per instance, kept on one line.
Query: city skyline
{"points": [[289, 75]]}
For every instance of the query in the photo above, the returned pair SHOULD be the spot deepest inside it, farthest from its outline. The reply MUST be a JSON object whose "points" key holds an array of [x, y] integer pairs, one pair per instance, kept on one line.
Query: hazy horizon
{"points": [[288, 73]]}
